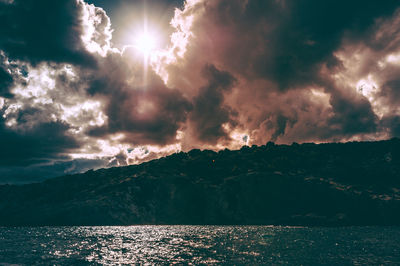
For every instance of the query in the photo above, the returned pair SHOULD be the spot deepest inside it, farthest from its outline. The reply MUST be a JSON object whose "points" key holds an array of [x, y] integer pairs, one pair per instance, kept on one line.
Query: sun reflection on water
{"points": [[235, 245]]}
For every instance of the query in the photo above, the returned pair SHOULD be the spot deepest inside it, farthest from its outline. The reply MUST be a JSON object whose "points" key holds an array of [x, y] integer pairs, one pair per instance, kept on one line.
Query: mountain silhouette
{"points": [[333, 184]]}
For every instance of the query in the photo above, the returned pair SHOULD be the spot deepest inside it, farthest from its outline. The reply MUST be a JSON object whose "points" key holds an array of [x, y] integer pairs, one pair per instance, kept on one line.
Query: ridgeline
{"points": [[335, 184]]}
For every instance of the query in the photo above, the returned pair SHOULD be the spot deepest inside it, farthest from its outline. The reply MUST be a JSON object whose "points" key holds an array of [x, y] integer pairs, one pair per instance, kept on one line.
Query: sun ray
{"points": [[145, 42]]}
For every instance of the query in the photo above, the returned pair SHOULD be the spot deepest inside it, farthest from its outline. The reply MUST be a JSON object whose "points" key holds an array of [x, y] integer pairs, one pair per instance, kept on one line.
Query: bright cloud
{"points": [[231, 73]]}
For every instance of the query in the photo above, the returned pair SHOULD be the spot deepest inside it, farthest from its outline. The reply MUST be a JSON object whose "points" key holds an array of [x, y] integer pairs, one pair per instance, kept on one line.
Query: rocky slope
{"points": [[355, 183]]}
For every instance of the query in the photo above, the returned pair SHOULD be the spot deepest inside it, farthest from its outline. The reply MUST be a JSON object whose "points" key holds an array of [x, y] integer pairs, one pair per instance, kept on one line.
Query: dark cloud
{"points": [[279, 70], [296, 37], [276, 50], [392, 122], [352, 116], [391, 94], [284, 41], [43, 30], [391, 89], [209, 113], [40, 144], [146, 111], [5, 82], [43, 124], [280, 126], [11, 174]]}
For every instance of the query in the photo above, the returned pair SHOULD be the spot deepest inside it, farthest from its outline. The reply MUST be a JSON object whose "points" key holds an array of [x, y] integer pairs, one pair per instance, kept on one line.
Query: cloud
{"points": [[235, 72], [72, 95], [44, 30], [209, 113], [138, 103], [293, 81], [11, 174], [43, 46], [40, 144], [5, 83]]}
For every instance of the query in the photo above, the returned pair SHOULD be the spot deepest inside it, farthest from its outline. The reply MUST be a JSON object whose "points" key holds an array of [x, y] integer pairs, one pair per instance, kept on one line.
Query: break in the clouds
{"points": [[230, 72]]}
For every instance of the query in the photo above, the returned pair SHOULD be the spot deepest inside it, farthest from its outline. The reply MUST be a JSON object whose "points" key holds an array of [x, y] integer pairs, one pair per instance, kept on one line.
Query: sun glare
{"points": [[146, 43]]}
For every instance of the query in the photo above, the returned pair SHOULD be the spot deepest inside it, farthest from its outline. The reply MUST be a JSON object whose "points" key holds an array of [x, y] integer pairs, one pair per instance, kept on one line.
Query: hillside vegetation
{"points": [[356, 183]]}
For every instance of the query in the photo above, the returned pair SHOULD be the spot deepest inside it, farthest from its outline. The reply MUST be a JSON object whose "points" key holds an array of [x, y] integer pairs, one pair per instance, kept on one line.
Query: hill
{"points": [[355, 183]]}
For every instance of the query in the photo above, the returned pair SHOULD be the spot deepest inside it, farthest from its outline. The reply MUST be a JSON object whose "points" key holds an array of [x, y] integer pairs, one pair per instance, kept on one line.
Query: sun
{"points": [[146, 42]]}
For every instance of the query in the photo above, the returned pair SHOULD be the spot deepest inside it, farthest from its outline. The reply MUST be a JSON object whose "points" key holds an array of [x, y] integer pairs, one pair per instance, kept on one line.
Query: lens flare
{"points": [[146, 43]]}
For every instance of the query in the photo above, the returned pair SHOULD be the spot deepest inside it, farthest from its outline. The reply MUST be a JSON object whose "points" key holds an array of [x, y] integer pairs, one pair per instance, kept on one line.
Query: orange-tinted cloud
{"points": [[235, 72]]}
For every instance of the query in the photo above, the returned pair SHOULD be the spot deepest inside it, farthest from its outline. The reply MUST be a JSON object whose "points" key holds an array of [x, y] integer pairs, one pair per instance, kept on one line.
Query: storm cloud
{"points": [[44, 30], [145, 110], [288, 58], [231, 73]]}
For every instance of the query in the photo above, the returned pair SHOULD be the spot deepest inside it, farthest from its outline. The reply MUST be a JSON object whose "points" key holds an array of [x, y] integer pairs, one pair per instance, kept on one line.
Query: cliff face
{"points": [[308, 184]]}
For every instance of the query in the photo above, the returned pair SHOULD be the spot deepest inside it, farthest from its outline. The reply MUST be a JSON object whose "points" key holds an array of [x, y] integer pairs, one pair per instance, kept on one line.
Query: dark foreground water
{"points": [[199, 245]]}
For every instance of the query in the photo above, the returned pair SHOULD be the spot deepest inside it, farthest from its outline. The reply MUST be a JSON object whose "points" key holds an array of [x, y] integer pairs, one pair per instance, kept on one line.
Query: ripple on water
{"points": [[199, 245]]}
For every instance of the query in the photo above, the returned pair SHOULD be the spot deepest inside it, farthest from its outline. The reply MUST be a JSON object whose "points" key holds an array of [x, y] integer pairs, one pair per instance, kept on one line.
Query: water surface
{"points": [[199, 245]]}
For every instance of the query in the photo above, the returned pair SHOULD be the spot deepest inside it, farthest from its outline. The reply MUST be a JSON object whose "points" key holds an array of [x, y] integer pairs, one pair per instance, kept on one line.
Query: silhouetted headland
{"points": [[355, 183]]}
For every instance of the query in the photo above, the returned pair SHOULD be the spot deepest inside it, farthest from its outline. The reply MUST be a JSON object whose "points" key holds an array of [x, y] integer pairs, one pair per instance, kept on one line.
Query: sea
{"points": [[199, 245]]}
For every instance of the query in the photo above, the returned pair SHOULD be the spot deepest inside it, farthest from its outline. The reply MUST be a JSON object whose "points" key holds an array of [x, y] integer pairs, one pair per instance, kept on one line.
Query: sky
{"points": [[102, 83]]}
